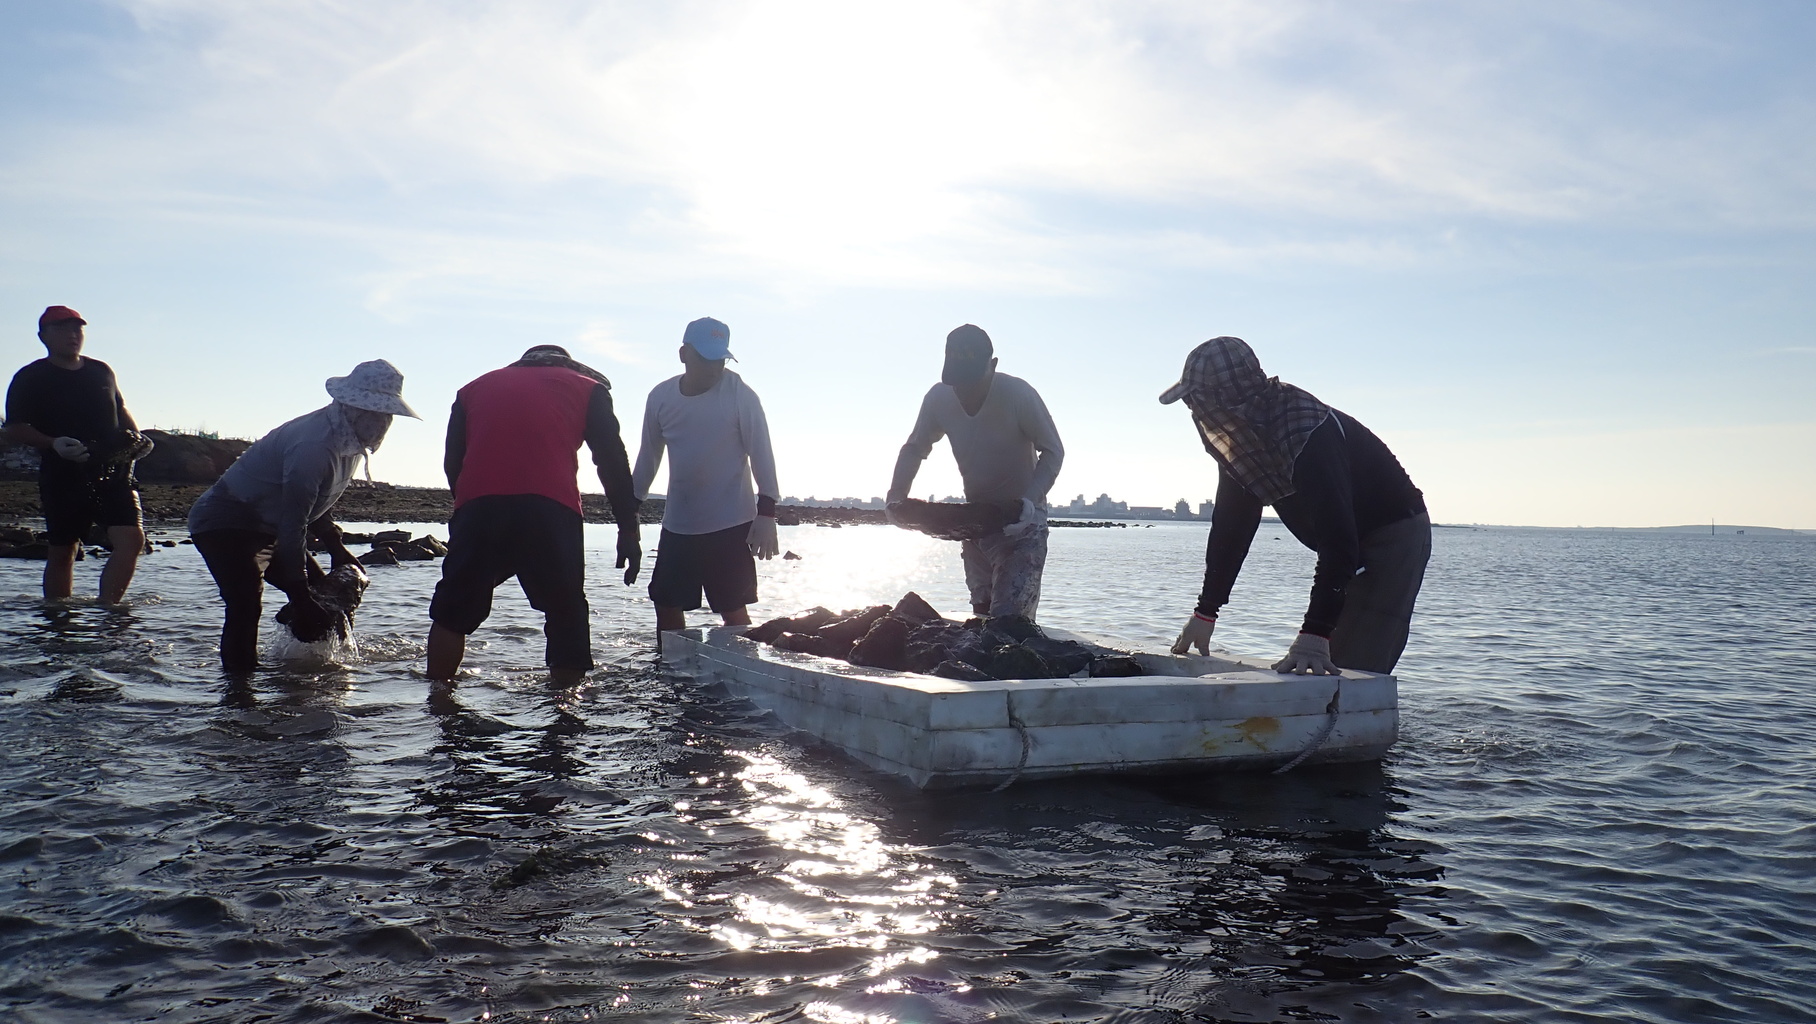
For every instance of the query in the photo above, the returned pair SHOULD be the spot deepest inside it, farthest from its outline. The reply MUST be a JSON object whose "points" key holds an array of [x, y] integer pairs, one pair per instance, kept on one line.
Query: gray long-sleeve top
{"points": [[283, 484], [1009, 451]]}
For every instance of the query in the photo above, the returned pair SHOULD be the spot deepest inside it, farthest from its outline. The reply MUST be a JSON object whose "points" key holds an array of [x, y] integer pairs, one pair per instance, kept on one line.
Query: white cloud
{"points": [[601, 340], [941, 144]]}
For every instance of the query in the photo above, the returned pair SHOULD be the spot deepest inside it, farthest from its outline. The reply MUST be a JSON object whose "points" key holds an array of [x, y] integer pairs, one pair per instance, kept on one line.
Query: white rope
{"points": [[1330, 722]]}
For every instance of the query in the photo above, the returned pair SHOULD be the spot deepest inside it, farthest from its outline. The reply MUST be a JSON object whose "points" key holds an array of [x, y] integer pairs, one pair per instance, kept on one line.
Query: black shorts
{"points": [[529, 536], [719, 563], [75, 504]]}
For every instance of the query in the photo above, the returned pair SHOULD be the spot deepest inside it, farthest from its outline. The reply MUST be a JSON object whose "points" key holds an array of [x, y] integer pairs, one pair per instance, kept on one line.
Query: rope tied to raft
{"points": [[1027, 745], [1330, 723]]}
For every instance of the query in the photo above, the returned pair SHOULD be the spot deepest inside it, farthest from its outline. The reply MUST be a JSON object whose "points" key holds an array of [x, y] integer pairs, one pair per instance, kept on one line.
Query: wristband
{"points": [[1202, 617]]}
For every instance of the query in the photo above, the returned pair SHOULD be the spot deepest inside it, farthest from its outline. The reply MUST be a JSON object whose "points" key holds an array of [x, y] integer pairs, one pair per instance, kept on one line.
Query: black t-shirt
{"points": [[1347, 486], [83, 403]]}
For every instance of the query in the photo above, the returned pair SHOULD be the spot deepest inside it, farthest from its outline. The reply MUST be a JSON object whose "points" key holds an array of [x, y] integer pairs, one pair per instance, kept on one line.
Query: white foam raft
{"points": [[1187, 714]]}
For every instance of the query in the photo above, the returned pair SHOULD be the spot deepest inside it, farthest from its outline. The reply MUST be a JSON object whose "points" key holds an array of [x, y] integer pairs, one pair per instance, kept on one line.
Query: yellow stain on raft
{"points": [[1258, 731]]}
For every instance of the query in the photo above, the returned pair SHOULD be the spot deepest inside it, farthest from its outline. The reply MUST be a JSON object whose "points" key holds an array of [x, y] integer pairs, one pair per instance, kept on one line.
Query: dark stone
{"points": [[1063, 657], [1014, 661], [950, 520], [339, 591], [1119, 666], [34, 550], [408, 551], [915, 609], [789, 556], [808, 621], [379, 555], [884, 646], [808, 643], [960, 670], [16, 535], [422, 549], [391, 537], [850, 629], [923, 657], [767, 632]]}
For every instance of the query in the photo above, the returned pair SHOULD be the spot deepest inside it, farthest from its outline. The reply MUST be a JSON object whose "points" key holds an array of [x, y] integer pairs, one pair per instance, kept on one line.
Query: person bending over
{"points": [[253, 526], [514, 437], [1332, 483], [1007, 450]]}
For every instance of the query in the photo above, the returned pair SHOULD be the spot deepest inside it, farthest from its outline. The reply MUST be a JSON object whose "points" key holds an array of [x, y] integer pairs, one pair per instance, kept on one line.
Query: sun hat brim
{"points": [[347, 393]]}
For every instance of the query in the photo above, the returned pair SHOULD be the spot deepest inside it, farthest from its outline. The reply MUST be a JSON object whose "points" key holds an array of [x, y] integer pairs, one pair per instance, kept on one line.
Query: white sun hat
{"points": [[374, 385]]}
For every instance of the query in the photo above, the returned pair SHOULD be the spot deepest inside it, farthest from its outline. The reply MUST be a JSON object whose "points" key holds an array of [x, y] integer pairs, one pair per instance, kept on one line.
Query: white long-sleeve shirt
{"points": [[995, 450], [717, 441]]}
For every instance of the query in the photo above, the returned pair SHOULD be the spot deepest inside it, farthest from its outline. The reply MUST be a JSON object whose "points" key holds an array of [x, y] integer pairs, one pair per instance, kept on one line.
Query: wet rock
{"points": [[391, 537], [1014, 661], [912, 637], [960, 670], [1063, 657], [914, 608], [339, 591], [789, 556], [808, 621], [884, 646], [923, 657], [381, 555], [851, 628], [949, 520], [809, 643]]}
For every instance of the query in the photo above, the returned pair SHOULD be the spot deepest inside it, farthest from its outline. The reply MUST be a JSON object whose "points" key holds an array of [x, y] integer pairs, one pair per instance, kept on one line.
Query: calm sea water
{"points": [[1602, 808]]}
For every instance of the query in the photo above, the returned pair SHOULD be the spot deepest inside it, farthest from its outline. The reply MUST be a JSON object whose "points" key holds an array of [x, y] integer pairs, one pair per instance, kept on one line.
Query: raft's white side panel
{"points": [[942, 732]]}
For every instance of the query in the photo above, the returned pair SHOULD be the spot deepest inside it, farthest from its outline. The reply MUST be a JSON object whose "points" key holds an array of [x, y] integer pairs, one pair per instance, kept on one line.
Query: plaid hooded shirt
{"points": [[1252, 424]]}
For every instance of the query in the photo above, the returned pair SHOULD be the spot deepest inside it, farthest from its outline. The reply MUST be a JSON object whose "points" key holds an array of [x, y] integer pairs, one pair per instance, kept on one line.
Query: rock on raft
{"points": [[951, 520], [911, 636]]}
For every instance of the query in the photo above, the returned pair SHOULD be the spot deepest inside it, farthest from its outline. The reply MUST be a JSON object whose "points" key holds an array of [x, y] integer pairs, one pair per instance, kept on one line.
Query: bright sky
{"points": [[1557, 254]]}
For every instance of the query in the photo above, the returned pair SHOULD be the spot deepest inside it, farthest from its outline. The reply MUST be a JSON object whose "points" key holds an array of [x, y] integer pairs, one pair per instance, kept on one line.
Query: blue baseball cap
{"points": [[710, 338]]}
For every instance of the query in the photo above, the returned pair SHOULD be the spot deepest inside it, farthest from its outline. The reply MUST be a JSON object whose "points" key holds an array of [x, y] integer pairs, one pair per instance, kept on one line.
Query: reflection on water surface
{"points": [[1588, 797]]}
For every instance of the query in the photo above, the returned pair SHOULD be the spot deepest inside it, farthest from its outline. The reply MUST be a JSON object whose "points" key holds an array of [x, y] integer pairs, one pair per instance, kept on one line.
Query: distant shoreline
{"points": [[167, 506]]}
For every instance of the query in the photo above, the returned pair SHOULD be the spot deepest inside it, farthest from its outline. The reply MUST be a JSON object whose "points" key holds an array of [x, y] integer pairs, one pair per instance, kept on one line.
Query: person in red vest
{"points": [[512, 462]]}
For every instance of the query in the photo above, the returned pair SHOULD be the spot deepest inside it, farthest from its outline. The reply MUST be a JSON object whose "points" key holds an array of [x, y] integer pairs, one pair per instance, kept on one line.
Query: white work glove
{"points": [[1197, 633], [1032, 515], [1308, 656], [763, 542], [70, 448]]}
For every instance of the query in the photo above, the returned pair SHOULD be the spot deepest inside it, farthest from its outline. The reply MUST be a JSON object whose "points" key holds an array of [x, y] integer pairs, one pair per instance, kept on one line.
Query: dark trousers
{"points": [[1377, 605], [534, 538], [240, 561]]}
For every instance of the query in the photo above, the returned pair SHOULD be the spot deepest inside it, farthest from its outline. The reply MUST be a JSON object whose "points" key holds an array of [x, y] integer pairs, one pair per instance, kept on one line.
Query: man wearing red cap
{"points": [[68, 406]]}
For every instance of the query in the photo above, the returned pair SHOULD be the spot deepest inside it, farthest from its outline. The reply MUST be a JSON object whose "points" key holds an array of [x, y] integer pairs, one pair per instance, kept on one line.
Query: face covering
{"points": [[368, 426]]}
